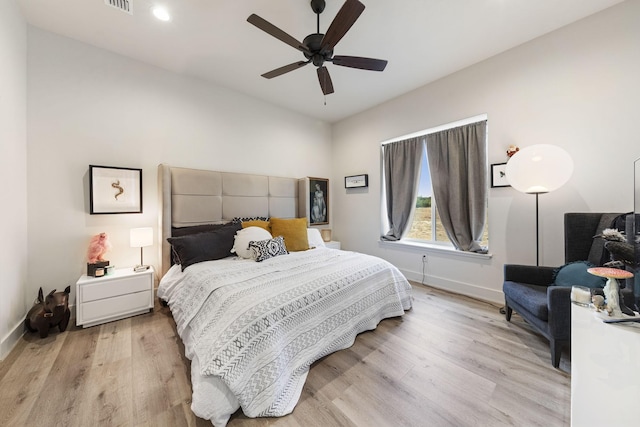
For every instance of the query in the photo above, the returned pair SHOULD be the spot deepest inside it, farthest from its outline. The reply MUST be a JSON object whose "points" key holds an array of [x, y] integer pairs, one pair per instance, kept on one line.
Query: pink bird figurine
{"points": [[98, 246]]}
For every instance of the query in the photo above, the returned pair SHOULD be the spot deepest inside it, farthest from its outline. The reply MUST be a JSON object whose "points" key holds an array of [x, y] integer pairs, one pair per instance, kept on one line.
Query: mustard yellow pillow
{"points": [[293, 230], [257, 223]]}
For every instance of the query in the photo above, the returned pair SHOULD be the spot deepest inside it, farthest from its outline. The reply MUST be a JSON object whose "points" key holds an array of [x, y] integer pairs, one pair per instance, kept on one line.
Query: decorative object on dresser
{"points": [[141, 238], [97, 269], [49, 312], [356, 181], [122, 294], [615, 304], [314, 200], [99, 245], [115, 190], [539, 169]]}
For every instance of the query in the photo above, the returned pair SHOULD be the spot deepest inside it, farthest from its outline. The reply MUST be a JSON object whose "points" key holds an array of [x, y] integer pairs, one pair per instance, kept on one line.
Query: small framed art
{"points": [[356, 181], [498, 175], [114, 190]]}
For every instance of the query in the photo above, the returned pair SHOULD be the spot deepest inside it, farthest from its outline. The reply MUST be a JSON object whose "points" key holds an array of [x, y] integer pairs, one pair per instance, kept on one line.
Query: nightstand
{"points": [[123, 293], [332, 244]]}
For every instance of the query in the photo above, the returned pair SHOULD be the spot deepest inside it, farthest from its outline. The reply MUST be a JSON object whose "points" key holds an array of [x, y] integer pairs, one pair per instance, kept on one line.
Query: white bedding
{"points": [[252, 329]]}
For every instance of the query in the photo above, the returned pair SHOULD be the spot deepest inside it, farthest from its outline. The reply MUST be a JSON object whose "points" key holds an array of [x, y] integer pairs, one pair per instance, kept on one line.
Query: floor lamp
{"points": [[539, 169]]}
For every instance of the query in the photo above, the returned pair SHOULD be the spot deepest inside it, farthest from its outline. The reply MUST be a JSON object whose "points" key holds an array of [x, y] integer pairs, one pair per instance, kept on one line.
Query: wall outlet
{"points": [[424, 259]]}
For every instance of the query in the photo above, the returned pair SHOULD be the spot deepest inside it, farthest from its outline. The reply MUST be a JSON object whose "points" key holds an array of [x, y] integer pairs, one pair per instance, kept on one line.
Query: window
{"points": [[446, 165], [423, 226]]}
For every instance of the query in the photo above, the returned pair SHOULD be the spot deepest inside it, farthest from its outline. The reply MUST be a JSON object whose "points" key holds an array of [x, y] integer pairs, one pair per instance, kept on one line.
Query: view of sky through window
{"points": [[424, 189]]}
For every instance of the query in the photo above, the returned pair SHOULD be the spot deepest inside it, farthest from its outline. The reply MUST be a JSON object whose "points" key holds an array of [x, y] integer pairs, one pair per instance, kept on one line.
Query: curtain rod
{"points": [[458, 123]]}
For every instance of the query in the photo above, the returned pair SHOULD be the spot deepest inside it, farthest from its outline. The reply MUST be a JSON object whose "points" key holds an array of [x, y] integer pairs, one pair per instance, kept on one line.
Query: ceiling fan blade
{"points": [[359, 62], [276, 32], [346, 17], [280, 71], [325, 80]]}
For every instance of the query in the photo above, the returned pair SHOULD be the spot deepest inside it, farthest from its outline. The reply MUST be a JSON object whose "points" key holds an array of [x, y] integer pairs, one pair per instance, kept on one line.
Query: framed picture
{"points": [[498, 175], [318, 201], [356, 181], [115, 190]]}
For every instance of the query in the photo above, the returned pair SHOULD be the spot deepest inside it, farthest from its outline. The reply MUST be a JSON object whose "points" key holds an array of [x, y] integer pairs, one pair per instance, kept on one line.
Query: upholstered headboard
{"points": [[194, 197]]}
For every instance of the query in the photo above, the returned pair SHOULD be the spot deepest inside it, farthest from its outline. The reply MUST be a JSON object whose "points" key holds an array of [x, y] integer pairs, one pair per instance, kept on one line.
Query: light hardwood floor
{"points": [[450, 361]]}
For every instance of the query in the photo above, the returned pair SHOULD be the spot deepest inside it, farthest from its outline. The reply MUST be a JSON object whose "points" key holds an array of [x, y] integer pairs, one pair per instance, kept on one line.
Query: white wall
{"points": [[13, 173], [89, 106], [577, 88]]}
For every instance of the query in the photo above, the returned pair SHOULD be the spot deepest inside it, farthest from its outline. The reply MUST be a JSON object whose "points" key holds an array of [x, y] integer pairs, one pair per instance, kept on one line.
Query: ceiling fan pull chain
{"points": [[324, 77]]}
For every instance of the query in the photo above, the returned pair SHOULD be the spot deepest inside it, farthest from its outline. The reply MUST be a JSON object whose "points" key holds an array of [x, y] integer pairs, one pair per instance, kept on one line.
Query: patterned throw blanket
{"points": [[258, 326]]}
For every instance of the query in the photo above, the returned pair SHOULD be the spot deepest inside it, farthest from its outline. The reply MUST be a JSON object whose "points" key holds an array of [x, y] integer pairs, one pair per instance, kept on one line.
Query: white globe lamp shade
{"points": [[539, 168]]}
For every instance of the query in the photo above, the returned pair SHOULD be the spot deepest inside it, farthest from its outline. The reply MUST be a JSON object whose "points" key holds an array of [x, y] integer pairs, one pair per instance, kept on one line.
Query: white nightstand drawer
{"points": [[118, 295], [110, 288], [116, 307], [332, 244]]}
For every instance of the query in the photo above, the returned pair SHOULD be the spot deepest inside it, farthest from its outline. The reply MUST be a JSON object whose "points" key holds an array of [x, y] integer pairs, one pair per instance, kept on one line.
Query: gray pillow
{"points": [[207, 246]]}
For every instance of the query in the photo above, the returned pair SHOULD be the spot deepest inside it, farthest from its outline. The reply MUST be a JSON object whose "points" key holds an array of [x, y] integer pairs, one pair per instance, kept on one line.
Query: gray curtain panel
{"points": [[458, 165], [401, 166]]}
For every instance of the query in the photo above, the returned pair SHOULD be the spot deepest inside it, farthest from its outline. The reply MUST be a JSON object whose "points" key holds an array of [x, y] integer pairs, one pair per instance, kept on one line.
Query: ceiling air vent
{"points": [[123, 5]]}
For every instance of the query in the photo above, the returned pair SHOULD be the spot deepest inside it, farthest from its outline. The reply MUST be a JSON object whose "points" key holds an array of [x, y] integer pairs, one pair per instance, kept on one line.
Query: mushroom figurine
{"points": [[612, 289]]}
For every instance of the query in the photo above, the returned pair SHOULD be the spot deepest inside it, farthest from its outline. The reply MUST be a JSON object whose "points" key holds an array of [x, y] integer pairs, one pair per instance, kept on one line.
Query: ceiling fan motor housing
{"points": [[317, 6], [313, 42]]}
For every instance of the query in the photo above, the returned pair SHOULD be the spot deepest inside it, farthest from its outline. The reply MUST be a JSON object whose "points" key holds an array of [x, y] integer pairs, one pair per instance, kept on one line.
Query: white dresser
{"points": [[605, 371], [123, 293]]}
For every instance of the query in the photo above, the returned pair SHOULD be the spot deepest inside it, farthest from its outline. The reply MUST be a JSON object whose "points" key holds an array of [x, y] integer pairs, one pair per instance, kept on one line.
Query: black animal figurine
{"points": [[49, 312]]}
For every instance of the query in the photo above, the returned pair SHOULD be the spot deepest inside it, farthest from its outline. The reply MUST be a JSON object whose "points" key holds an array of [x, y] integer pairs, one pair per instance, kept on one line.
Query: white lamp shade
{"points": [[539, 169], [141, 237]]}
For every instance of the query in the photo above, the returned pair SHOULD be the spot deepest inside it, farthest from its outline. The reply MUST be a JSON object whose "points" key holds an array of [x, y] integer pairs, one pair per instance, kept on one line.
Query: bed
{"points": [[270, 301]]}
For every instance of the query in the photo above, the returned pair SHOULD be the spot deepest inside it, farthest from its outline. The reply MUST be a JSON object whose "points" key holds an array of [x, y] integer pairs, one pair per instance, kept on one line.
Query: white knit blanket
{"points": [[258, 326]]}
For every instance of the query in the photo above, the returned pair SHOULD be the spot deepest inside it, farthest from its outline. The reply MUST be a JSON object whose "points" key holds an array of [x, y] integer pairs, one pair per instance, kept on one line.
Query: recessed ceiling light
{"points": [[161, 13]]}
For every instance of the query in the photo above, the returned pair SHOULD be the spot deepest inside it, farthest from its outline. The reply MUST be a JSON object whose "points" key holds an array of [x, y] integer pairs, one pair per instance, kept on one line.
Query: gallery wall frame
{"points": [[318, 201], [114, 190], [356, 181], [498, 175]]}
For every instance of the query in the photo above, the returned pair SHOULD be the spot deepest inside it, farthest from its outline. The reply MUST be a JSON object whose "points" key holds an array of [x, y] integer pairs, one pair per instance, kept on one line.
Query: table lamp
{"points": [[139, 238]]}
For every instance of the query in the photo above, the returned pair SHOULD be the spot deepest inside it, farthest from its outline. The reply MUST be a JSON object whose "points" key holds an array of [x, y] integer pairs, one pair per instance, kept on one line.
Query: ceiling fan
{"points": [[317, 47]]}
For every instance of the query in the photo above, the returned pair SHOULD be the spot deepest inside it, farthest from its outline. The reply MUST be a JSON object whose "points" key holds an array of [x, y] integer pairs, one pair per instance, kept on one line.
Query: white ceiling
{"points": [[423, 40]]}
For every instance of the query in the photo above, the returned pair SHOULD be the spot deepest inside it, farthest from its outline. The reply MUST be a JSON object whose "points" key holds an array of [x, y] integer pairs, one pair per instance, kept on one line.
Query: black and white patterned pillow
{"points": [[239, 220], [265, 249]]}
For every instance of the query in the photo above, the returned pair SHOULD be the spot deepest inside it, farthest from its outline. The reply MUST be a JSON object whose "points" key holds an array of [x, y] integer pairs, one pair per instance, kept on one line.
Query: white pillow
{"points": [[315, 238], [244, 236]]}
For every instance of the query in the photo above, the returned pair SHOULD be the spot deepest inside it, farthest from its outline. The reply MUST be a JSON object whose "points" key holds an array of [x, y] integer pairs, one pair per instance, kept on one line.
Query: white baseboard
{"points": [[468, 289], [9, 342]]}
